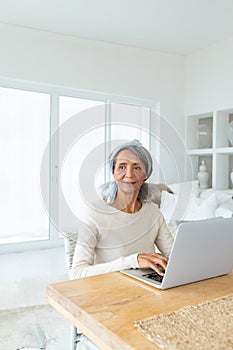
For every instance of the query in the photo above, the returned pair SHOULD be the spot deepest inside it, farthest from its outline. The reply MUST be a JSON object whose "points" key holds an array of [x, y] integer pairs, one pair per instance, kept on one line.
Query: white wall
{"points": [[202, 80], [209, 78], [84, 64], [63, 60]]}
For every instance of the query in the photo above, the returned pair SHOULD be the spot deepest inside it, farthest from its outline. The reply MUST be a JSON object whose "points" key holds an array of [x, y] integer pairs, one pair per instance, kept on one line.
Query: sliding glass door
{"points": [[24, 133]]}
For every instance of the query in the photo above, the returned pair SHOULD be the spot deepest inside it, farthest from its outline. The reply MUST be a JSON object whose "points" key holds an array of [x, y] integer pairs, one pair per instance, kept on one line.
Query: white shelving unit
{"points": [[206, 139]]}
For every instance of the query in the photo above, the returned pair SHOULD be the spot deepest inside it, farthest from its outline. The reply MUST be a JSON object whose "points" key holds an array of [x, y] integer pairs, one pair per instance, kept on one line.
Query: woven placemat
{"points": [[206, 326]]}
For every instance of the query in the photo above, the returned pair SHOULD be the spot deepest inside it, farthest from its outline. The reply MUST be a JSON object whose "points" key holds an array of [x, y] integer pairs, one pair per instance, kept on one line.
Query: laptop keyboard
{"points": [[154, 276]]}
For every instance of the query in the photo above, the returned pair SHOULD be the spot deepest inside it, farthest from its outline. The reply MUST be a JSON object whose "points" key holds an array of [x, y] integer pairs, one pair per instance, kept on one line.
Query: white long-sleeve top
{"points": [[110, 240]]}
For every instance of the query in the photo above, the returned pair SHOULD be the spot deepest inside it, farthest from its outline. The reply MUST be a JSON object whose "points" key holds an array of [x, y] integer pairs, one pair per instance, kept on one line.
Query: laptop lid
{"points": [[202, 249]]}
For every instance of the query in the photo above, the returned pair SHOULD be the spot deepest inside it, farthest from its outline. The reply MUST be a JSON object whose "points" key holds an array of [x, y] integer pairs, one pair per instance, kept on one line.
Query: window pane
{"points": [[24, 134], [130, 122], [82, 155]]}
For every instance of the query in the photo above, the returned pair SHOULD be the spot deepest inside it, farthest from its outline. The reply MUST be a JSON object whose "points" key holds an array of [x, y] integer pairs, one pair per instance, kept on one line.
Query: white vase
{"points": [[204, 136], [230, 132], [203, 176], [231, 176]]}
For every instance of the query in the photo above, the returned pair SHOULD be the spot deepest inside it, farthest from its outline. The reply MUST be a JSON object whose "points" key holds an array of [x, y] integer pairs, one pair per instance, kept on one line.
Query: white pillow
{"points": [[225, 209], [206, 193], [222, 196], [201, 209], [167, 206], [224, 212], [185, 207], [175, 206]]}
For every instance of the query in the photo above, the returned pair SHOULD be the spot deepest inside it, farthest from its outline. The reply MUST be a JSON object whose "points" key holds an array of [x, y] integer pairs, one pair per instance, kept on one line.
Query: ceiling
{"points": [[173, 26]]}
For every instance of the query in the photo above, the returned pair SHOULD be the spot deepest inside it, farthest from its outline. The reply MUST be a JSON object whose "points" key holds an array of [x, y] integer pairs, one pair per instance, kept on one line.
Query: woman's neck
{"points": [[127, 203]]}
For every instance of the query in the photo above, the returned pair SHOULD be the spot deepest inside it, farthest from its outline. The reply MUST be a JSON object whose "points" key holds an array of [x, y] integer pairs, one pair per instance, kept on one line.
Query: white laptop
{"points": [[202, 249]]}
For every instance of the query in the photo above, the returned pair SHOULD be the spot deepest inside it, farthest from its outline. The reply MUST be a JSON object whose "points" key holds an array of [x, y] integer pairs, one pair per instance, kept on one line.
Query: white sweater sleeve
{"points": [[83, 263]]}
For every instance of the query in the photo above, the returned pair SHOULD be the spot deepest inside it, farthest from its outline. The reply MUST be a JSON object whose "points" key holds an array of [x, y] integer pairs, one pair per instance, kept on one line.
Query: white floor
{"points": [[24, 276]]}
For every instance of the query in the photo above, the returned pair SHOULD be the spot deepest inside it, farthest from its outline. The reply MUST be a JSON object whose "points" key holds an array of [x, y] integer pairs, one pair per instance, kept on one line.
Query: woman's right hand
{"points": [[155, 261]]}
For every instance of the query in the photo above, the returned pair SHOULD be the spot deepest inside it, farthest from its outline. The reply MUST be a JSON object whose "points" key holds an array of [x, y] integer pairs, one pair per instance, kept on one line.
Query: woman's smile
{"points": [[129, 182]]}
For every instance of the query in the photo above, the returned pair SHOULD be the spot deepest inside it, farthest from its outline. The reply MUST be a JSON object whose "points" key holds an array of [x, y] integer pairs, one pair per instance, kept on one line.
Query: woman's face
{"points": [[129, 172]]}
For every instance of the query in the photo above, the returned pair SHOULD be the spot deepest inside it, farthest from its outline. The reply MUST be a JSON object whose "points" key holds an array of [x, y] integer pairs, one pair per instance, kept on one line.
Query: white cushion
{"points": [[224, 212], [221, 195], [225, 209], [202, 209], [187, 207]]}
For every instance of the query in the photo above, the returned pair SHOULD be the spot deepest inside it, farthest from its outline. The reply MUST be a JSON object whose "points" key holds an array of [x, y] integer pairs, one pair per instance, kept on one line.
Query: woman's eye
{"points": [[137, 167], [122, 167]]}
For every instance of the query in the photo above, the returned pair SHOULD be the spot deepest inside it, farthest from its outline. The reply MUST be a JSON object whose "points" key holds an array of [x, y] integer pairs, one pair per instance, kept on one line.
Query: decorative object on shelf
{"points": [[231, 177], [204, 136], [230, 132], [203, 175]]}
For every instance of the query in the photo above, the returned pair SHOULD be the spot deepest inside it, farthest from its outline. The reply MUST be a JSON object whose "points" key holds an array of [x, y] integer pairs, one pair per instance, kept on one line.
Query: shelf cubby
{"points": [[223, 118], [215, 149], [200, 131]]}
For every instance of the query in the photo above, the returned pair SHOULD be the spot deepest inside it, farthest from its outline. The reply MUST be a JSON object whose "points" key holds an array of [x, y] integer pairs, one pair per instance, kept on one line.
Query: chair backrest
{"points": [[70, 240], [155, 192]]}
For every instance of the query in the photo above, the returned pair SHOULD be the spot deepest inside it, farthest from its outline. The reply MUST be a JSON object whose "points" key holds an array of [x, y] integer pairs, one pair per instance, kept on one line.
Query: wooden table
{"points": [[104, 307]]}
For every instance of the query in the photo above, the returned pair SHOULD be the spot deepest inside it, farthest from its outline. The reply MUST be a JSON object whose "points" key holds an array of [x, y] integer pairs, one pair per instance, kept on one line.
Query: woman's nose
{"points": [[129, 171]]}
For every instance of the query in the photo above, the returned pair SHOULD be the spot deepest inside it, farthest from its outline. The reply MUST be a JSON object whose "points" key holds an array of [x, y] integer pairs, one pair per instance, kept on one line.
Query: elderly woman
{"points": [[122, 230]]}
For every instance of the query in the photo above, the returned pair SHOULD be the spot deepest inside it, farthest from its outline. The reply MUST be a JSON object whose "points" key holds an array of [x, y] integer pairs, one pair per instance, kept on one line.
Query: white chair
{"points": [[70, 242]]}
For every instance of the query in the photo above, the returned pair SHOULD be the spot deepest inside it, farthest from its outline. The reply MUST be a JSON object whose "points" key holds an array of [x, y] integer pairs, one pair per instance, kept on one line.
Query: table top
{"points": [[104, 307]]}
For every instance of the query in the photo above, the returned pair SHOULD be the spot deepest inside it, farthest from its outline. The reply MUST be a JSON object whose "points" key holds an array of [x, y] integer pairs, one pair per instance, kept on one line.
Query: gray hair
{"points": [[141, 152]]}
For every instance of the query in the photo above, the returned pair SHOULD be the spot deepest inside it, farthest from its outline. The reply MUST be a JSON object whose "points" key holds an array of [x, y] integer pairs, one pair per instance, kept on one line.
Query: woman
{"points": [[122, 230]]}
